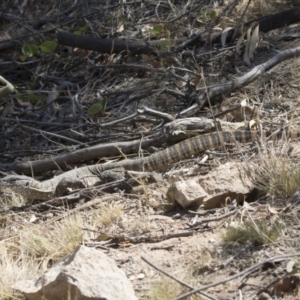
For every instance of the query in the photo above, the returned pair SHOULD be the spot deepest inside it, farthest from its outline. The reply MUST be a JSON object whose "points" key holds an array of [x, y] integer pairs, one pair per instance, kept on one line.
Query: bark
{"points": [[109, 45]]}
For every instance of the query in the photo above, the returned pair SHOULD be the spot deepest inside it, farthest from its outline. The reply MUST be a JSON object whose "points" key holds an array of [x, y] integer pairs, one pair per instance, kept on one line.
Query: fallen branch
{"points": [[176, 279], [111, 149], [248, 270], [213, 92], [110, 45], [213, 219]]}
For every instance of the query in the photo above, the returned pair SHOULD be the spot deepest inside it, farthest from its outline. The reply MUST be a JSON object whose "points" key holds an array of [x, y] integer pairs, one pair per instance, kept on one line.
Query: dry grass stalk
{"points": [[257, 232]]}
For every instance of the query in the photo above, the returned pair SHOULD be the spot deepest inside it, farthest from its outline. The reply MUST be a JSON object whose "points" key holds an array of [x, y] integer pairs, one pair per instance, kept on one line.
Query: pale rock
{"points": [[187, 193], [227, 182], [85, 274], [221, 186]]}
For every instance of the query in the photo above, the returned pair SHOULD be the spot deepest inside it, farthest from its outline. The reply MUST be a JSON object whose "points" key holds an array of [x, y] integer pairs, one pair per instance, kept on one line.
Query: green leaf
{"points": [[165, 45], [109, 22], [213, 15], [48, 47], [203, 15], [157, 29], [34, 98], [104, 103], [29, 49], [96, 108], [82, 30]]}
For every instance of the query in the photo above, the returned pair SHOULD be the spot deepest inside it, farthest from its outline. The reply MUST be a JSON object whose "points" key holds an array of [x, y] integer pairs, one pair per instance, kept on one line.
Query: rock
{"points": [[227, 182], [187, 193], [85, 274]]}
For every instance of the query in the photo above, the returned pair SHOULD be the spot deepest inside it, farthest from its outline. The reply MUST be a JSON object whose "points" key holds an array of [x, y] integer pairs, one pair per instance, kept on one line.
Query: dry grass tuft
{"points": [[22, 260], [166, 289], [13, 268], [257, 232], [262, 6], [140, 226], [276, 175], [55, 242], [200, 261], [9, 198], [108, 213], [163, 289]]}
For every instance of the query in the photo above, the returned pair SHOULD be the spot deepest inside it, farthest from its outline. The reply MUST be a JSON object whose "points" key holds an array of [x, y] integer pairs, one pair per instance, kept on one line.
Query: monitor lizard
{"points": [[89, 176]]}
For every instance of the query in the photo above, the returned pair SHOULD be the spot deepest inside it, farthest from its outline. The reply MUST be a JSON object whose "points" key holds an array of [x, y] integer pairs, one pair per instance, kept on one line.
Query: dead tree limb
{"points": [[266, 23], [246, 271], [212, 93], [110, 149], [86, 154], [110, 45], [278, 20]]}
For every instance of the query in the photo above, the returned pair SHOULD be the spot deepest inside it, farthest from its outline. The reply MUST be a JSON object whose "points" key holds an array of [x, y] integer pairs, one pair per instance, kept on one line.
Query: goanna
{"points": [[89, 176]]}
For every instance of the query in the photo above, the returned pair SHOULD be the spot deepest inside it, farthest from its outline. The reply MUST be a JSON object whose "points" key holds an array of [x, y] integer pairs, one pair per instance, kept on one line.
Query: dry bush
{"points": [[37, 246], [276, 175], [14, 267], [108, 213], [200, 260], [9, 198], [257, 232], [166, 289], [55, 242], [139, 226]]}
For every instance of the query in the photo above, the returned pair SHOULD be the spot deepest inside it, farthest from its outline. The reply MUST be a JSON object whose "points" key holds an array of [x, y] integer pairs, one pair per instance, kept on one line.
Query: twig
{"points": [[248, 270], [152, 112], [245, 79], [144, 238], [42, 132], [176, 279], [213, 219]]}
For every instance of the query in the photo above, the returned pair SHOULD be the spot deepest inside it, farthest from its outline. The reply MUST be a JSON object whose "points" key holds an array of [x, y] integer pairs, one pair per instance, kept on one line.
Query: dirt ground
{"points": [[75, 98]]}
